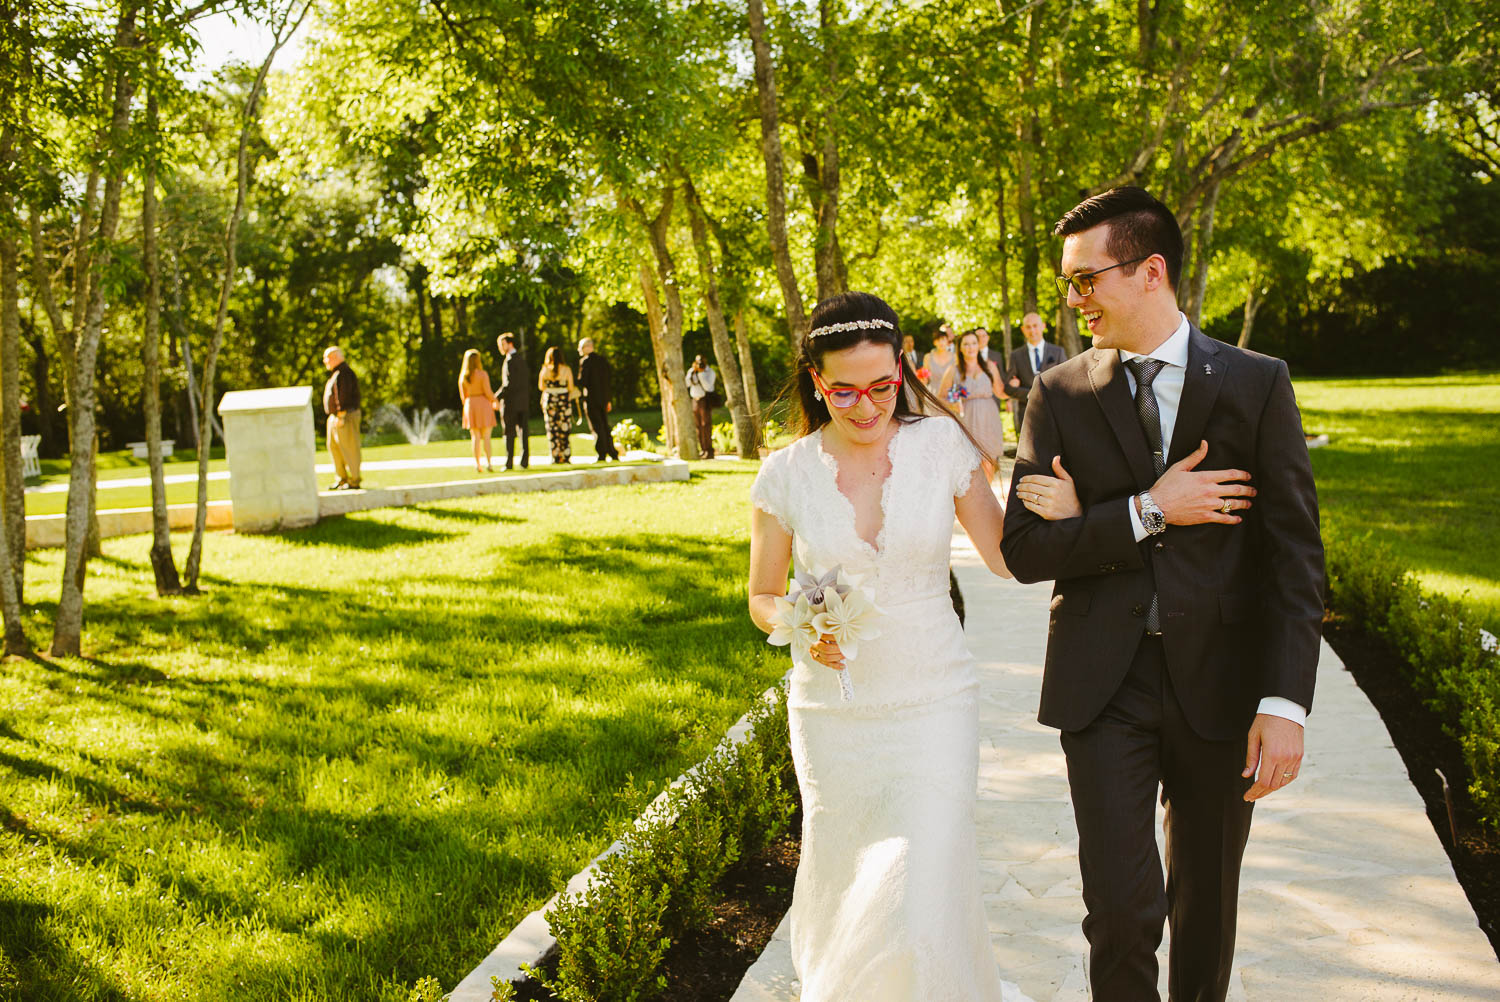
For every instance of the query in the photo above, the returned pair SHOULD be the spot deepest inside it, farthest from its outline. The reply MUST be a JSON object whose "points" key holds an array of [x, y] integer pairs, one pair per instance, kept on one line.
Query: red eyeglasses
{"points": [[844, 397]]}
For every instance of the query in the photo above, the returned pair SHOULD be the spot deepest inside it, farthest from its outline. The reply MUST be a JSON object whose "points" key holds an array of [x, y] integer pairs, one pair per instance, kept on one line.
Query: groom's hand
{"points": [[1189, 496], [1275, 746]]}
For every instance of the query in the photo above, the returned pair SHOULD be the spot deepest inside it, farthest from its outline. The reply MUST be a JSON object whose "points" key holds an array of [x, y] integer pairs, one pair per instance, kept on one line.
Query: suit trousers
{"points": [[514, 421], [343, 445], [604, 440], [703, 418], [1139, 743]]}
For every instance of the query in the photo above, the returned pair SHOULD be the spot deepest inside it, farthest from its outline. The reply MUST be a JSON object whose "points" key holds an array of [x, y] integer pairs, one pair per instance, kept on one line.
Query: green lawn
{"points": [[369, 749], [1416, 463], [180, 493]]}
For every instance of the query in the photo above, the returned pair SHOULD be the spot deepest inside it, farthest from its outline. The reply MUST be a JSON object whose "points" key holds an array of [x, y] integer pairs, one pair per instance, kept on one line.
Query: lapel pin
{"points": [[1208, 370]]}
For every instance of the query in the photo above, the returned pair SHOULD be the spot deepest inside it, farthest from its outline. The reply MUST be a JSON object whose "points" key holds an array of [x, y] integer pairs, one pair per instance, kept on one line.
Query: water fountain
{"points": [[418, 430]]}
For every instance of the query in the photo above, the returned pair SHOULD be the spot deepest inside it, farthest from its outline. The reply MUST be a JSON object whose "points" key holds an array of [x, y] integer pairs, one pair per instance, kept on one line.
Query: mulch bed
{"points": [[1426, 748], [708, 964]]}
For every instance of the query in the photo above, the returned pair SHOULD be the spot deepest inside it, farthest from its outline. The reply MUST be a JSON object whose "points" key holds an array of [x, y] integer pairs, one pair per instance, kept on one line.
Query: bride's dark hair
{"points": [[848, 307]]}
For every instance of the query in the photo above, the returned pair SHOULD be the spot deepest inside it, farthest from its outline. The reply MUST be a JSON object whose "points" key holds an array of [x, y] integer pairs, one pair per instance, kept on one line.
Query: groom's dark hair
{"points": [[1139, 226]]}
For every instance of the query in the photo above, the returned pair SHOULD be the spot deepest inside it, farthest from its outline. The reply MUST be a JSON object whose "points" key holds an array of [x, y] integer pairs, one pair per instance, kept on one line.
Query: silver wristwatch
{"points": [[1152, 519]]}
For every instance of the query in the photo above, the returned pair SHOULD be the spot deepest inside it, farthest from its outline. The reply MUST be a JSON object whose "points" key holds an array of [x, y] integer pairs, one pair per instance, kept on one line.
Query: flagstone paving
{"points": [[1346, 891]]}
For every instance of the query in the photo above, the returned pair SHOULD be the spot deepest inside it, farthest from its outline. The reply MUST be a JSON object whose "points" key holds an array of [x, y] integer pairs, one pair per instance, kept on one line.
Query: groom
{"points": [[1187, 610]]}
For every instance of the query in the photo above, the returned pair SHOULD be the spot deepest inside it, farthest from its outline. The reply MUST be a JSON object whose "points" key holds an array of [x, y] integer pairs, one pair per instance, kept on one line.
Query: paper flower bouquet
{"points": [[831, 604]]}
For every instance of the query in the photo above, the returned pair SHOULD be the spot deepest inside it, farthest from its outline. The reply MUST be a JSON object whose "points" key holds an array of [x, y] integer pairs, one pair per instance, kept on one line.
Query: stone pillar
{"points": [[268, 438]]}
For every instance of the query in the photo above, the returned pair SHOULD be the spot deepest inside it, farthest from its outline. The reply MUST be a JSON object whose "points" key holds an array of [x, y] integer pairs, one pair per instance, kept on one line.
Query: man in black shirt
{"points": [[515, 398], [593, 380]]}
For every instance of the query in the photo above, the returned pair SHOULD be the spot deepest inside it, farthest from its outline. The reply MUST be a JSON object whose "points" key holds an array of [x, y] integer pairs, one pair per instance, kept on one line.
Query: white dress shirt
{"points": [[1168, 389]]}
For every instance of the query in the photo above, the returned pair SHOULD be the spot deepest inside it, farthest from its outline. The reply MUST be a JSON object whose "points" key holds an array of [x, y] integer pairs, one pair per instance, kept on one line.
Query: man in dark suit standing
{"points": [[1037, 355], [1187, 611], [593, 380], [514, 399]]}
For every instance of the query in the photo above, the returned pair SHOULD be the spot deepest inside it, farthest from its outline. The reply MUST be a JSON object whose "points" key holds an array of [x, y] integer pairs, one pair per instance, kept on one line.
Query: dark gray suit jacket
{"points": [[515, 383], [1020, 366], [1241, 605]]}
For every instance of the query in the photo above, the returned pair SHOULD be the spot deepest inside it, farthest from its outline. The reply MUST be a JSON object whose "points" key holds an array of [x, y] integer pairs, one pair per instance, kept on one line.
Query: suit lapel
{"points": [[1206, 367], [1111, 389]]}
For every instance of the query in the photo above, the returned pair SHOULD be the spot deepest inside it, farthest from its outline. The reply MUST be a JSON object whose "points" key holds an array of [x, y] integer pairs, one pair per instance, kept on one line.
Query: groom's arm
{"points": [[1292, 571], [1097, 542]]}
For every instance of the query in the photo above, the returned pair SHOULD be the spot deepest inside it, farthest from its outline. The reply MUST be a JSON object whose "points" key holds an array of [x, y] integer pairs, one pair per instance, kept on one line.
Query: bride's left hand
{"points": [[1052, 498]]}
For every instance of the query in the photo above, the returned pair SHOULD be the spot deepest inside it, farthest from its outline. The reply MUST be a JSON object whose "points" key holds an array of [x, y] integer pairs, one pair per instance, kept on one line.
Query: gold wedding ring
{"points": [[1226, 509], [1286, 775]]}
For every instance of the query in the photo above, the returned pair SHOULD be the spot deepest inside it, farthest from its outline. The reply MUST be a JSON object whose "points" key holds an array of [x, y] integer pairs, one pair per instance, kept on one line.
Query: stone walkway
{"points": [[1346, 892]]}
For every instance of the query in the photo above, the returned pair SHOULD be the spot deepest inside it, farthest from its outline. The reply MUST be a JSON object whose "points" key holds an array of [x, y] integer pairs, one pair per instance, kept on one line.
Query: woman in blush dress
{"points": [[886, 905], [558, 393], [940, 359], [479, 407], [977, 402]]}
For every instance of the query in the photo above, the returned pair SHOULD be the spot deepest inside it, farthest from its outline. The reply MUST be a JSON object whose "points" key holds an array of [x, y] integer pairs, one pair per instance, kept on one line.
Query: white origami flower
{"points": [[794, 625], [848, 619]]}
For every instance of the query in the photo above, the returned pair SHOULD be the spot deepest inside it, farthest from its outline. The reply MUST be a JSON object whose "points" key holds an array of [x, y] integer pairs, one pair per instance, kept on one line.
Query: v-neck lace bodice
{"points": [[907, 569], [831, 461]]}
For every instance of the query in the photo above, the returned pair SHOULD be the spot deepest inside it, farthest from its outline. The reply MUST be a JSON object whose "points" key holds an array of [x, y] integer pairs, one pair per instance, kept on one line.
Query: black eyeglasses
{"points": [[1083, 282]]}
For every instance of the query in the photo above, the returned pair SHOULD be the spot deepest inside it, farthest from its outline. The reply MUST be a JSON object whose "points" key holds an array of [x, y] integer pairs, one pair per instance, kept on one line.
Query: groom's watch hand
{"points": [[1189, 496], [1273, 754]]}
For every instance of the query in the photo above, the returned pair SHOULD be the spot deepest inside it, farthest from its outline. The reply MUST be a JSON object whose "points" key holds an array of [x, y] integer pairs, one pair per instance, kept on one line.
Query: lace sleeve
{"points": [[965, 458], [768, 492]]}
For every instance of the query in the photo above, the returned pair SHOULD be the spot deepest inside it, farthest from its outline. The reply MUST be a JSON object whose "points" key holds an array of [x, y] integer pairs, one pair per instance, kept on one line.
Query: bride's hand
{"points": [[826, 652], [1053, 498]]}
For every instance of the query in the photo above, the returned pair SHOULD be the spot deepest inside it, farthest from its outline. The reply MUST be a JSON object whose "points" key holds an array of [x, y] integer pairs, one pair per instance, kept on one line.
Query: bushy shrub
{"points": [[724, 437], [1440, 641], [612, 937], [628, 435]]}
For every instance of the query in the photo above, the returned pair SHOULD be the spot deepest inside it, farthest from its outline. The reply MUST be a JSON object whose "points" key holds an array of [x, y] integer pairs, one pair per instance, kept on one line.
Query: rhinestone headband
{"points": [[852, 325]]}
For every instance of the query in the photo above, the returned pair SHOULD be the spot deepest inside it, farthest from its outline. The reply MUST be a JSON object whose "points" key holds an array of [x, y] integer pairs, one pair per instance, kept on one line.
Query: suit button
{"points": [[1138, 610], [1160, 546]]}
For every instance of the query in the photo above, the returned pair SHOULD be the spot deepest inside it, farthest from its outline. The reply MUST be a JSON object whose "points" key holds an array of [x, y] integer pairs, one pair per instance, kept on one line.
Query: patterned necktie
{"points": [[1145, 370]]}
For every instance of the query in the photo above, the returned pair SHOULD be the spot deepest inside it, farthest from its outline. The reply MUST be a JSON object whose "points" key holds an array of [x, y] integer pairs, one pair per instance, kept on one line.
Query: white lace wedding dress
{"points": [[887, 903]]}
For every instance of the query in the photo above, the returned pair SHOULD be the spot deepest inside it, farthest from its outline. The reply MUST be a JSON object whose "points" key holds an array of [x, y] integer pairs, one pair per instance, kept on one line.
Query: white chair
{"points": [[31, 463]]}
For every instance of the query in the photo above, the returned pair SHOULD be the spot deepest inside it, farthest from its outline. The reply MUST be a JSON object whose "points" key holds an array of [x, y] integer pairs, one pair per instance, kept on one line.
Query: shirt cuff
{"points": [[1135, 520], [1277, 706]]}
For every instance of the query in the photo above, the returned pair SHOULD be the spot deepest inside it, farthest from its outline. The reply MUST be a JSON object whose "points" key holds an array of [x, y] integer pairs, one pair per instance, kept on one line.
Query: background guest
{"points": [[701, 381], [558, 393], [594, 380], [515, 386], [941, 358], [1036, 355], [478, 406], [341, 404], [978, 410]]}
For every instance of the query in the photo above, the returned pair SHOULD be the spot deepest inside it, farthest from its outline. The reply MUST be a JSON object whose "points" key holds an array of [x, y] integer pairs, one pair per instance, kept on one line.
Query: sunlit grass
{"points": [[1416, 463], [369, 749]]}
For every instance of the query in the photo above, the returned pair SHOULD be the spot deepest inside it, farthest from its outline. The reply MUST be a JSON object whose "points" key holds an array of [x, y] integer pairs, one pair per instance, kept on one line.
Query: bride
{"points": [[886, 906]]}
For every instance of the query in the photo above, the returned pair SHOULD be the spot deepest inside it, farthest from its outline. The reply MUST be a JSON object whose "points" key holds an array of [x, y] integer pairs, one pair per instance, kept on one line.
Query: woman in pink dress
{"points": [[479, 407]]}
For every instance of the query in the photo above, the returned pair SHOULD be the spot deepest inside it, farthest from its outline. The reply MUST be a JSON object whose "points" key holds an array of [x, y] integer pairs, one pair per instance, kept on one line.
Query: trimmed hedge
{"points": [[1439, 639], [611, 937]]}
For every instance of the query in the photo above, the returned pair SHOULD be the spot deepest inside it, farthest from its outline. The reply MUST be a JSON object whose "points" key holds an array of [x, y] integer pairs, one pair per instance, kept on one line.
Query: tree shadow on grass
{"points": [[468, 514], [47, 969], [232, 748], [358, 533]]}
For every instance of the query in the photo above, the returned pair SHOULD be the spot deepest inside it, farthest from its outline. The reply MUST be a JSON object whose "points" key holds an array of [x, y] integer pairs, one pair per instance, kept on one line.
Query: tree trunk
{"points": [[673, 370], [1255, 298], [243, 167], [1026, 133], [1067, 330], [1203, 242], [747, 371], [13, 497], [67, 628], [657, 326], [770, 150], [162, 564], [1004, 248], [724, 347]]}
